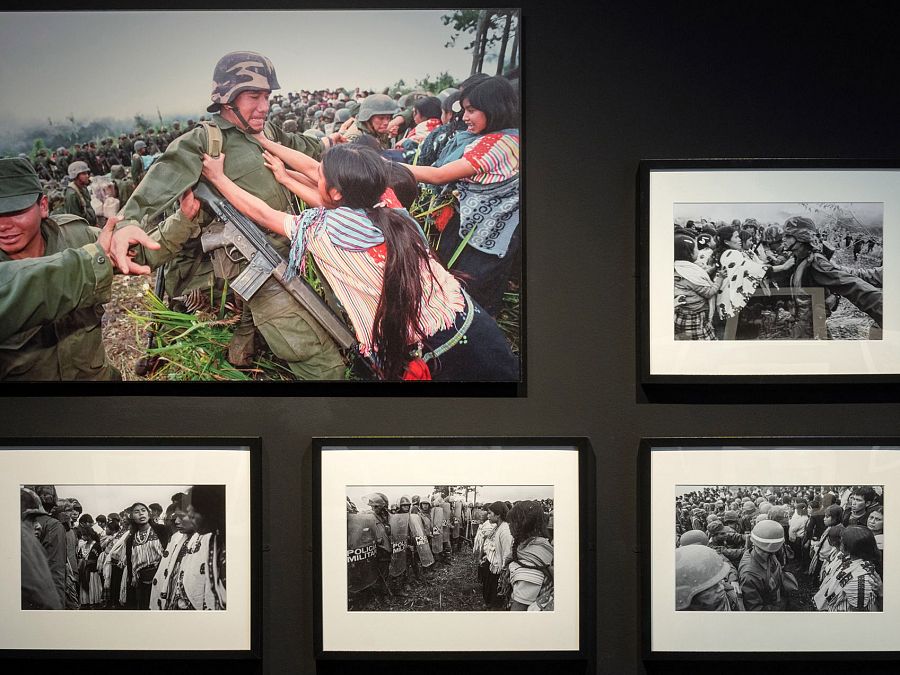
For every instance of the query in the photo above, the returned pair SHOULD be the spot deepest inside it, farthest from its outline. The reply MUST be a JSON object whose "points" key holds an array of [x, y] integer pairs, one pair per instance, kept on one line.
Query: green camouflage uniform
{"points": [[52, 307], [289, 330], [78, 203]]}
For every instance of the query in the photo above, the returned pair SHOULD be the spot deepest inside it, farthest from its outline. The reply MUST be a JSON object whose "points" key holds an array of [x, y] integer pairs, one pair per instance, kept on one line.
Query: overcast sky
{"points": [[486, 493], [105, 499], [117, 64], [870, 214]]}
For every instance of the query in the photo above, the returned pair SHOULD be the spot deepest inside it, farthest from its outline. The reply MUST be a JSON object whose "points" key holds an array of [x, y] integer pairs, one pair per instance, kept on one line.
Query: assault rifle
{"points": [[241, 234]]}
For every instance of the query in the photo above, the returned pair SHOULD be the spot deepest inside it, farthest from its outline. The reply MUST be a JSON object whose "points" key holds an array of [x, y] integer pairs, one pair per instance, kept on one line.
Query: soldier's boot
{"points": [[242, 348]]}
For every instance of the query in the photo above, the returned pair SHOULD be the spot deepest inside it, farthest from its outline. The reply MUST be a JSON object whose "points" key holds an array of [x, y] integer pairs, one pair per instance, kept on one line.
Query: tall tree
{"points": [[503, 43]]}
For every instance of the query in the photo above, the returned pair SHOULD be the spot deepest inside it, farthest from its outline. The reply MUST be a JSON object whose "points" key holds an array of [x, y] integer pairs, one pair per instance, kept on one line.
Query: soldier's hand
{"points": [[336, 138], [394, 126], [189, 204], [106, 234], [214, 167], [120, 253]]}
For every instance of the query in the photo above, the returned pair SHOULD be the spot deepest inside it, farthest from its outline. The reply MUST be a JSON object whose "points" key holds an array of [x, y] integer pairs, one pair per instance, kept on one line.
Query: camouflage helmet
{"points": [[237, 72], [697, 568], [377, 104], [404, 500], [76, 168], [801, 229], [341, 116], [772, 234], [311, 110], [353, 107]]}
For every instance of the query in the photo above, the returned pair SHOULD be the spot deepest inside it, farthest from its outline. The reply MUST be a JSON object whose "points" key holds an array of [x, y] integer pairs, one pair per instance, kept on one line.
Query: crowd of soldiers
{"points": [[391, 546], [758, 549], [142, 557], [111, 167]]}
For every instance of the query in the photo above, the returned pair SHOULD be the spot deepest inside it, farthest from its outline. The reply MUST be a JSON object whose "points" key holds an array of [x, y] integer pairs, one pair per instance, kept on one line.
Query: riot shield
{"points": [[438, 525], [445, 528], [423, 546], [456, 519], [362, 571], [399, 532]]}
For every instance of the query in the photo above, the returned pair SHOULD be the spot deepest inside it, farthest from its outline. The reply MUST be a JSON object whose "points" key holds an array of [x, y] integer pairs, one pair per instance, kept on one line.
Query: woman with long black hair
{"points": [[409, 314], [531, 566], [144, 548]]}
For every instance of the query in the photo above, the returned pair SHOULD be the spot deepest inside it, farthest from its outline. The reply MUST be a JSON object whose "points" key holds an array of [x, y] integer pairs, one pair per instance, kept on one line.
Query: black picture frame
{"points": [[299, 387], [645, 504], [250, 445], [586, 501], [663, 385]]}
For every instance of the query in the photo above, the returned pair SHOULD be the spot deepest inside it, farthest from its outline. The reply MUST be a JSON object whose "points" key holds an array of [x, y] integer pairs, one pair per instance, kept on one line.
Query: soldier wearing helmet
{"points": [[761, 570], [77, 197], [242, 83], [702, 581], [137, 163], [813, 269], [374, 116], [63, 158]]}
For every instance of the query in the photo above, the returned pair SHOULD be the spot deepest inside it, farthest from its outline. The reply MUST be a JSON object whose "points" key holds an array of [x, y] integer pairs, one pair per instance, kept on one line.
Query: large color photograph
{"points": [[259, 207]]}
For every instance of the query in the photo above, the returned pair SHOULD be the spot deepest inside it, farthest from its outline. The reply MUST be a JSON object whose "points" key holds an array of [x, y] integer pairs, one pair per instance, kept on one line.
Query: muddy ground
{"points": [[452, 588]]}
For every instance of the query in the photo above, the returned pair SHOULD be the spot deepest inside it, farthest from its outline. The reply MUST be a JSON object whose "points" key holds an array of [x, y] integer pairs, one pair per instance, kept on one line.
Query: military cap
{"points": [[237, 72], [20, 186]]}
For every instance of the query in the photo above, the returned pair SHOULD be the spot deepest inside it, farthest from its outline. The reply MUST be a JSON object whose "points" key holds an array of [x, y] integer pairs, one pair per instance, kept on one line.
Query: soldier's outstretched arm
{"points": [[864, 295], [38, 291]]}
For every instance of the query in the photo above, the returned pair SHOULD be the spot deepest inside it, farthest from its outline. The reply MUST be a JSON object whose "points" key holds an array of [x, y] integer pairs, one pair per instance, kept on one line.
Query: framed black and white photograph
{"points": [[127, 544], [748, 536], [779, 270], [184, 286], [488, 533]]}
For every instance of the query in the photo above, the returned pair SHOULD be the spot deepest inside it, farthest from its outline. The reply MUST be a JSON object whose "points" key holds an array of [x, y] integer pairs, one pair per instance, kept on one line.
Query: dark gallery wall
{"points": [[603, 89]]}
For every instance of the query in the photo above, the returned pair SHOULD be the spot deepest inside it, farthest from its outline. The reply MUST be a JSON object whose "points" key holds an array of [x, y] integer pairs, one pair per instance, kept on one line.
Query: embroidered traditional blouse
{"points": [[351, 252], [495, 157], [146, 553]]}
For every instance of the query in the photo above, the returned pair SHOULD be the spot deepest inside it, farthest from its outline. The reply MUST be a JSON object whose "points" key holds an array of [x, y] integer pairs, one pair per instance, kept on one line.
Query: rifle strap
{"points": [[213, 138]]}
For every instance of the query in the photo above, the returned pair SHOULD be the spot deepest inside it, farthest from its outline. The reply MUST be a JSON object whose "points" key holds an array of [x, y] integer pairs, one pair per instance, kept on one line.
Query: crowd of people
{"points": [[758, 549], [142, 557], [422, 301], [390, 546], [719, 267]]}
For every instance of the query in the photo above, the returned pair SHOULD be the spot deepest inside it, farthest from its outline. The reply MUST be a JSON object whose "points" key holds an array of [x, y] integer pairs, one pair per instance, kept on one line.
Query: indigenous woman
{"points": [[694, 293], [876, 524], [90, 584], [144, 547], [531, 567], [485, 243], [399, 298], [854, 584], [192, 575], [497, 553]]}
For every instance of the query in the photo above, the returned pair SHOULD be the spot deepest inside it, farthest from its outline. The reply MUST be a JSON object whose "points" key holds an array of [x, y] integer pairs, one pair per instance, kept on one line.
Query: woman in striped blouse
{"points": [[144, 548], [484, 242], [407, 311]]}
